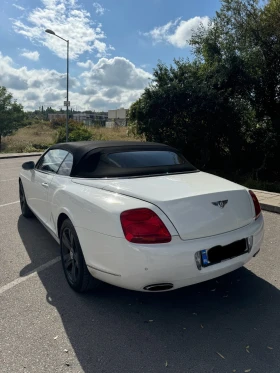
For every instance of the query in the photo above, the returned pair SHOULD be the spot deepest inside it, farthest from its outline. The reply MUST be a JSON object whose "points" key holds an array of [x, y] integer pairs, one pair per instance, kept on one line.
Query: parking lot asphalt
{"points": [[230, 324]]}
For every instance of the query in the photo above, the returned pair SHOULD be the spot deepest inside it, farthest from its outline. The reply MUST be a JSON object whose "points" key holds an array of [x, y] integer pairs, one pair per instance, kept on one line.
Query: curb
{"points": [[270, 208], [7, 155]]}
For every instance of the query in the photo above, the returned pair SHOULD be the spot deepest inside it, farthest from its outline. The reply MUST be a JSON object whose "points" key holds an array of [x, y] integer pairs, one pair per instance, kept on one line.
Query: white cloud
{"points": [[116, 72], [178, 32], [68, 20], [86, 64], [99, 9], [18, 7], [34, 56], [27, 84], [104, 85]]}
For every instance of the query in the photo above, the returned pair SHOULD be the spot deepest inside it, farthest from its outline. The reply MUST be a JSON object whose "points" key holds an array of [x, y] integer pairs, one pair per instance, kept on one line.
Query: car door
{"points": [[41, 183], [59, 182]]}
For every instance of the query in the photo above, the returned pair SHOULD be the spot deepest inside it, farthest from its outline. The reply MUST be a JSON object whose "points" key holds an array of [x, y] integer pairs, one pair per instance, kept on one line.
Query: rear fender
{"points": [[98, 210]]}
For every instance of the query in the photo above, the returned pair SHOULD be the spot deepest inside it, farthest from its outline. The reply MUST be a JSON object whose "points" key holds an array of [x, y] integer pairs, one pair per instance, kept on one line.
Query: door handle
{"points": [[45, 185]]}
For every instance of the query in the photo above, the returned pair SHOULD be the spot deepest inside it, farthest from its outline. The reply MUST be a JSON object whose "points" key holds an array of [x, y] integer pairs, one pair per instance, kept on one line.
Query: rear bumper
{"points": [[118, 262]]}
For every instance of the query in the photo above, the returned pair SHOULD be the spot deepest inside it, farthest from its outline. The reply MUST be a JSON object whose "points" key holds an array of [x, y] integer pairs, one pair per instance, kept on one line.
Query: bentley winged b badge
{"points": [[220, 204]]}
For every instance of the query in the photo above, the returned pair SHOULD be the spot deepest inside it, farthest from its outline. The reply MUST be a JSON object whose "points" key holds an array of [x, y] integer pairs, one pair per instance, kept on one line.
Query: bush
{"points": [[77, 132], [61, 122]]}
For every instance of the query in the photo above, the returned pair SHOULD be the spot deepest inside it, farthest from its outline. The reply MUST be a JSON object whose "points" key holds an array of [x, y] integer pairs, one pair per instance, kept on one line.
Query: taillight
{"points": [[144, 226], [258, 209]]}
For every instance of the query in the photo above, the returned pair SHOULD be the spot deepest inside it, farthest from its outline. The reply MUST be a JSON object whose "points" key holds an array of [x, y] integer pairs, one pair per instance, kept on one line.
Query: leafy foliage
{"points": [[223, 108], [77, 132], [11, 114]]}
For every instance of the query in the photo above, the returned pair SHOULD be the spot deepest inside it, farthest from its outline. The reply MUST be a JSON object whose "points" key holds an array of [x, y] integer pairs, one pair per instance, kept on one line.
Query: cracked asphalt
{"points": [[231, 324]]}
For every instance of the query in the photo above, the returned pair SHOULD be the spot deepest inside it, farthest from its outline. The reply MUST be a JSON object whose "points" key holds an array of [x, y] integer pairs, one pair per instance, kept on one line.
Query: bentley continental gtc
{"points": [[138, 215]]}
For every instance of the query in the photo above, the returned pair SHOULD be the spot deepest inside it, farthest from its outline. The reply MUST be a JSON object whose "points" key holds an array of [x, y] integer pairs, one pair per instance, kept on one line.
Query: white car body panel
{"points": [[132, 266], [38, 194], [187, 201], [94, 207]]}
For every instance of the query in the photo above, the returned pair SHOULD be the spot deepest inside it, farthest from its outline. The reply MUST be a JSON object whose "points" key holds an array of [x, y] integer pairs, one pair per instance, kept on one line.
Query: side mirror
{"points": [[28, 165]]}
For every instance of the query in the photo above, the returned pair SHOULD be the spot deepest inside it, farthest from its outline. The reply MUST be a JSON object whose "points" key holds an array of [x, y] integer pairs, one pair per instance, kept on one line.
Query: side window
{"points": [[66, 166], [52, 160]]}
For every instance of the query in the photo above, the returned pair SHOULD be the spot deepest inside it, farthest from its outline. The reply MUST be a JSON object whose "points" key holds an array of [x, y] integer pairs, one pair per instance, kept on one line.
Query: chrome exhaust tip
{"points": [[159, 287]]}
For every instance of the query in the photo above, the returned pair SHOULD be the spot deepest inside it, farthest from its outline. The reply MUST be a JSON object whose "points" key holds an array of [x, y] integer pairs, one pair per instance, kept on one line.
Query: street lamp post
{"points": [[67, 81]]}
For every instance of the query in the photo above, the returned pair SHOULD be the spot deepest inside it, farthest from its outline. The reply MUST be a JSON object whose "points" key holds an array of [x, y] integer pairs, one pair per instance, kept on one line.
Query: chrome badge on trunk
{"points": [[220, 204]]}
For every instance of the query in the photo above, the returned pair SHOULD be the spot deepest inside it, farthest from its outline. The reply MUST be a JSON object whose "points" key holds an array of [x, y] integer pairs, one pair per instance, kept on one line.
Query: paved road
{"points": [[225, 325]]}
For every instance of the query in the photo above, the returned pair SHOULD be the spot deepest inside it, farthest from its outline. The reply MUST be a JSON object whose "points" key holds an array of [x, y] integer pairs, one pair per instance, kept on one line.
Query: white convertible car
{"points": [[138, 215]]}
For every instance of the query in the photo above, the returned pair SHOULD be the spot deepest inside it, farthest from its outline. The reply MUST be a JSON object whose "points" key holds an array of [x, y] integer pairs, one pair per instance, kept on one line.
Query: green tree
{"points": [[11, 114], [223, 108], [182, 108], [243, 51]]}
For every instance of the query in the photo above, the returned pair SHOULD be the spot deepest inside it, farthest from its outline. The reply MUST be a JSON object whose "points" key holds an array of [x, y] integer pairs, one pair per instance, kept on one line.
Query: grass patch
{"points": [[33, 138], [39, 136], [113, 134]]}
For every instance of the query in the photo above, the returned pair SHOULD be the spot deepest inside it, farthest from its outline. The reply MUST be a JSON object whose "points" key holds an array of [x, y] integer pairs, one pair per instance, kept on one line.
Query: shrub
{"points": [[61, 122], [77, 132]]}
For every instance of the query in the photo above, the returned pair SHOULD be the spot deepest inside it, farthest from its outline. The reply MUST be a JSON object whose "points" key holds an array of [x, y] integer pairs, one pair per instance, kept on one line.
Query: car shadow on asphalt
{"points": [[228, 324]]}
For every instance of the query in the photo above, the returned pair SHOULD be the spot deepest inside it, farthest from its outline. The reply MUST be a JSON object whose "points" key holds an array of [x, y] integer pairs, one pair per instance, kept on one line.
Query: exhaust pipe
{"points": [[158, 287]]}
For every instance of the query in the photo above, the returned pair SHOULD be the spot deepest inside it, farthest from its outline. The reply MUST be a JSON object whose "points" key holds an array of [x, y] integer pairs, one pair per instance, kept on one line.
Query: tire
{"points": [[25, 210], [73, 262]]}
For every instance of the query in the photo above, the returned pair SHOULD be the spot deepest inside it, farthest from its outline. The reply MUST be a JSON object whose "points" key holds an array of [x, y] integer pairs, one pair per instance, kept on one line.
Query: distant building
{"points": [[112, 118], [91, 118], [85, 118], [117, 117], [55, 116]]}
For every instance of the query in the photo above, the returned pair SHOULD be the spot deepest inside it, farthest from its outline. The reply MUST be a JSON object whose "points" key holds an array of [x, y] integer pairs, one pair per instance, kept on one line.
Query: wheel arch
{"points": [[61, 218]]}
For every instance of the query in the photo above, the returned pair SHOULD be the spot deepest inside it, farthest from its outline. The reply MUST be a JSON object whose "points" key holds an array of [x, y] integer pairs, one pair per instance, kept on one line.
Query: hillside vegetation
{"points": [[39, 136]]}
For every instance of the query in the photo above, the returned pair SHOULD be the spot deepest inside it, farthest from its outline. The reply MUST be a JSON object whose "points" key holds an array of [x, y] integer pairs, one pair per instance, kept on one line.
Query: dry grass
{"points": [[39, 136], [117, 133], [35, 137]]}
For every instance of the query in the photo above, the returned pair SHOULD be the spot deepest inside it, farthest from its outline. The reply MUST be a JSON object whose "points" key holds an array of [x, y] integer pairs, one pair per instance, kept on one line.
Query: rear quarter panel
{"points": [[95, 209], [95, 213]]}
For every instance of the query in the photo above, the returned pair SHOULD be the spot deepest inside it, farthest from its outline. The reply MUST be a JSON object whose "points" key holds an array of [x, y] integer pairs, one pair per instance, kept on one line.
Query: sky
{"points": [[114, 47]]}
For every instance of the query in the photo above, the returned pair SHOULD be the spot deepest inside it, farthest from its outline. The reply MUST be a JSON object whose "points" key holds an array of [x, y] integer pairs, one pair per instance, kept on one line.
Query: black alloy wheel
{"points": [[70, 256], [25, 210], [73, 262]]}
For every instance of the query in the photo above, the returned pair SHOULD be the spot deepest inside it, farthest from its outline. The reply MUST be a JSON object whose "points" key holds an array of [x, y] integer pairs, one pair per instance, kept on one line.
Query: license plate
{"points": [[219, 254]]}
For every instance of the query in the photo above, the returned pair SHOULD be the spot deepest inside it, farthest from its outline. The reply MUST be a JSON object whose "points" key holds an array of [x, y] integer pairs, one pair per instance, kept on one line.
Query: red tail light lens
{"points": [[144, 226], [258, 209]]}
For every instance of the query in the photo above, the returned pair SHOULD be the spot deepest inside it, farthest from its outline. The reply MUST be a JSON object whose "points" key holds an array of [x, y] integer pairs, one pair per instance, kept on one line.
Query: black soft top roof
{"points": [[90, 159], [90, 151], [81, 148]]}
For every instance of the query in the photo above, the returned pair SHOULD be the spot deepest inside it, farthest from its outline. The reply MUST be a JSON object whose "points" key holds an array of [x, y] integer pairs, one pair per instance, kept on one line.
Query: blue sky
{"points": [[114, 46]]}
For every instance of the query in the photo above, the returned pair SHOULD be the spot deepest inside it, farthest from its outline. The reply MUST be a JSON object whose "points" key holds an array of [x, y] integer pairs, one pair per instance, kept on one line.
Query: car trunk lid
{"points": [[198, 204]]}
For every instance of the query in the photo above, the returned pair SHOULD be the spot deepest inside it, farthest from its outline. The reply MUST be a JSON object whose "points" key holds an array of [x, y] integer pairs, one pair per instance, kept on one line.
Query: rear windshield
{"points": [[132, 163], [148, 158]]}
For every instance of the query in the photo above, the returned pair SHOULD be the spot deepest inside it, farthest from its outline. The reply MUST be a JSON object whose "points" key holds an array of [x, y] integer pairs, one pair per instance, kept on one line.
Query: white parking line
{"points": [[28, 276], [7, 180], [7, 204]]}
